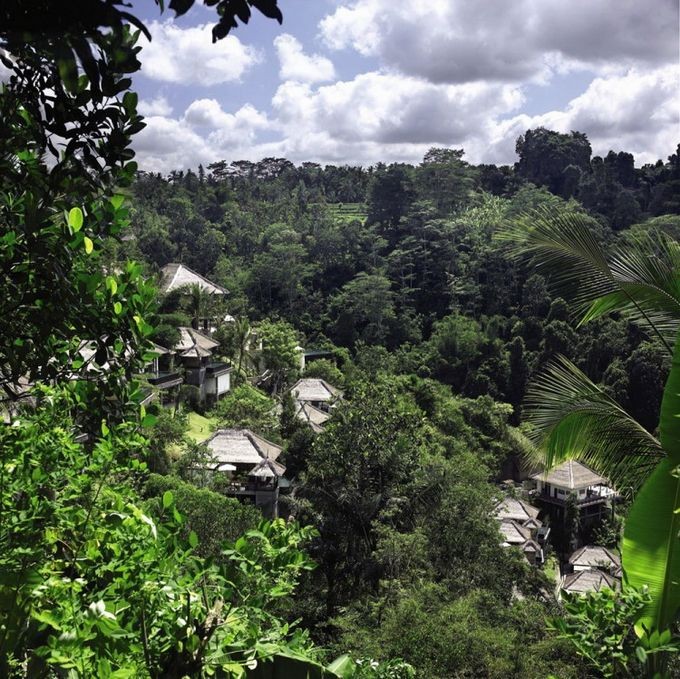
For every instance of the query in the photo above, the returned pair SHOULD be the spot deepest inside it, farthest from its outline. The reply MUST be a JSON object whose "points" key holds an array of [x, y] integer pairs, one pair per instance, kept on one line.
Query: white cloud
{"points": [[296, 65], [204, 133], [388, 109], [159, 106], [635, 112], [461, 41], [166, 144], [187, 56]]}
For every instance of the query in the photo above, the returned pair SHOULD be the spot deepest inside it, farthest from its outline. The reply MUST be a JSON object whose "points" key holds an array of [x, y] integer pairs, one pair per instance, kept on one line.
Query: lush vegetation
{"points": [[117, 559]]}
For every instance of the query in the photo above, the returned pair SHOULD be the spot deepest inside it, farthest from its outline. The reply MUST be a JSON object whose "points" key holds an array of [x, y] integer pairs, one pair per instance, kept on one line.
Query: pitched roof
{"points": [[314, 389], [241, 446], [588, 581], [177, 275], [313, 416], [570, 474], [514, 533], [593, 556], [267, 469], [512, 508], [190, 338]]}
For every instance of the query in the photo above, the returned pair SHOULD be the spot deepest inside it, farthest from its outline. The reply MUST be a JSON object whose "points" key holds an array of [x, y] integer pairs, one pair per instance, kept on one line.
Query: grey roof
{"points": [[178, 275], [314, 417], [512, 508], [267, 469], [593, 556], [241, 446], [514, 533], [588, 581], [570, 474], [190, 338], [314, 389]]}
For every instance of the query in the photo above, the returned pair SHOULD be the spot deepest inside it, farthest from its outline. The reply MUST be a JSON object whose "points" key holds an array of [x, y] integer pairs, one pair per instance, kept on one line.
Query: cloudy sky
{"points": [[362, 81]]}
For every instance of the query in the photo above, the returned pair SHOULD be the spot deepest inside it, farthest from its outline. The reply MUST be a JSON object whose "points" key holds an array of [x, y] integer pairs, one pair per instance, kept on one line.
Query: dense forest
{"points": [[435, 329], [473, 323], [404, 266]]}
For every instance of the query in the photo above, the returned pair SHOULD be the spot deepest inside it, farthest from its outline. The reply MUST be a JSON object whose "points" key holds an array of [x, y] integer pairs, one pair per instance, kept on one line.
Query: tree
{"points": [[280, 353], [445, 178], [546, 158], [575, 418]]}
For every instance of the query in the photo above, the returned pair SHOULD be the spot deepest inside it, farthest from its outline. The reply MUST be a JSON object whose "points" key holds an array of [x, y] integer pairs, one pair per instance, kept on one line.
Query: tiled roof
{"points": [[313, 416], [514, 533], [190, 338], [241, 446]]}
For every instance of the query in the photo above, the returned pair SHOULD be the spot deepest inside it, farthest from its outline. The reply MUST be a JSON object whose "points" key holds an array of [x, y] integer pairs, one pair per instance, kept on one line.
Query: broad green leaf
{"points": [[343, 666], [117, 308], [167, 499], [193, 539], [149, 420], [89, 245], [112, 284], [75, 218], [117, 200], [651, 539]]}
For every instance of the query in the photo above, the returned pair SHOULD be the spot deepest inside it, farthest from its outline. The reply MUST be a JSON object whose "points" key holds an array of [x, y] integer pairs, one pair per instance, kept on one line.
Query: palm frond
{"points": [[572, 418], [640, 279]]}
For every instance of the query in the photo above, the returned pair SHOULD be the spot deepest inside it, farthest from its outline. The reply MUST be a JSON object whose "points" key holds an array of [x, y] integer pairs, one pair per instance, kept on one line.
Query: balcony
{"points": [[164, 380], [594, 495]]}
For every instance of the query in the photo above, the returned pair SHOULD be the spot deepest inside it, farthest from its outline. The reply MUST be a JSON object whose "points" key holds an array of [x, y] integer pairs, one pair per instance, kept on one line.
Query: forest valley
{"points": [[476, 324]]}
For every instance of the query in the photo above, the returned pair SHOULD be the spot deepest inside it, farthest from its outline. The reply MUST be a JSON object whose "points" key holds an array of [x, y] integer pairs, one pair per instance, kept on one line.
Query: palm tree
{"points": [[574, 418], [198, 303]]}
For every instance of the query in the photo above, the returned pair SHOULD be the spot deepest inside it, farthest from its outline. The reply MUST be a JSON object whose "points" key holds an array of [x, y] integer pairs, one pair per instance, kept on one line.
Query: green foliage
{"points": [[247, 407], [93, 585], [640, 281], [279, 353], [212, 517], [601, 626], [326, 370]]}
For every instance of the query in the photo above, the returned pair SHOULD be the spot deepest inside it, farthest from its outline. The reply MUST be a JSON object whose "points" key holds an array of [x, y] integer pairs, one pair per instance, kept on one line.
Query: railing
{"points": [[592, 495], [164, 379]]}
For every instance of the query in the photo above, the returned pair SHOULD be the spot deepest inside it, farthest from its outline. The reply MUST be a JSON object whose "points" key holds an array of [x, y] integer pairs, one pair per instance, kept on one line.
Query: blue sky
{"points": [[362, 81]]}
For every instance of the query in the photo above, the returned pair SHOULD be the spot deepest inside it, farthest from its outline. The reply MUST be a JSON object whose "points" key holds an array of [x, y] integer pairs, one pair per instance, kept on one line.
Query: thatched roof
{"points": [[314, 389], [190, 338], [593, 556], [314, 417], [267, 469], [514, 533], [243, 447], [517, 510], [588, 581], [178, 275], [572, 475]]}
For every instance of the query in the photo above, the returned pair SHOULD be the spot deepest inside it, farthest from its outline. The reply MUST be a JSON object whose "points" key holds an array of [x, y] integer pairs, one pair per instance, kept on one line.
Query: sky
{"points": [[365, 81]]}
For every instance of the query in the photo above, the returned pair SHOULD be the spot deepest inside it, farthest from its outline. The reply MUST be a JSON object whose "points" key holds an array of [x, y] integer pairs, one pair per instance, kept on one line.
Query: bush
{"points": [[213, 517]]}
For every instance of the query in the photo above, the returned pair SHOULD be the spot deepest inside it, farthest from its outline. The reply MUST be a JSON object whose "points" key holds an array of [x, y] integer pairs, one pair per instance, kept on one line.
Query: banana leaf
{"points": [[651, 539]]}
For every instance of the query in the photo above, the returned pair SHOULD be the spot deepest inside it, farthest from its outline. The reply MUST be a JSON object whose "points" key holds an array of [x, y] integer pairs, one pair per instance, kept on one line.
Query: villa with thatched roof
{"points": [[311, 415], [595, 557], [316, 392], [581, 582], [520, 527], [250, 462], [573, 482]]}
